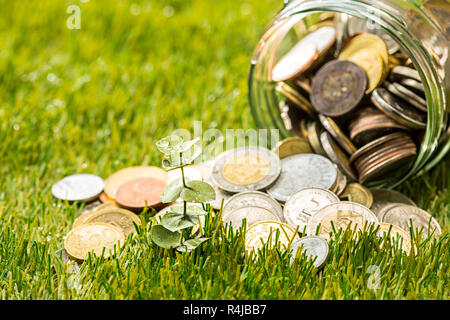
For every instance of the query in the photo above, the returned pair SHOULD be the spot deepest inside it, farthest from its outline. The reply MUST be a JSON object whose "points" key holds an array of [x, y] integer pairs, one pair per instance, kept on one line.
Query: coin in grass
{"points": [[253, 199], [113, 182], [121, 218], [406, 216], [99, 239], [385, 197], [246, 169], [338, 88], [138, 193], [395, 232], [97, 206], [252, 215], [356, 192], [303, 204], [78, 187], [342, 214], [314, 247], [265, 233], [303, 171]]}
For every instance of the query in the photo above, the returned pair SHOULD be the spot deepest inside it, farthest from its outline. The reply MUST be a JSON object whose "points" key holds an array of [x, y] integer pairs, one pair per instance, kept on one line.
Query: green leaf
{"points": [[170, 144], [190, 244], [165, 238], [191, 210], [172, 191], [198, 191], [174, 221]]}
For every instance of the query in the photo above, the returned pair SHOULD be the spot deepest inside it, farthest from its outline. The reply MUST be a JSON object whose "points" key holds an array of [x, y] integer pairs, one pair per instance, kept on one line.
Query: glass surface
{"points": [[420, 28]]}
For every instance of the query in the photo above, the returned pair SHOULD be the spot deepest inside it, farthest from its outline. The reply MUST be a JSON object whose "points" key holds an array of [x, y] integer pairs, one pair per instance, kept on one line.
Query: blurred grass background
{"points": [[95, 100]]}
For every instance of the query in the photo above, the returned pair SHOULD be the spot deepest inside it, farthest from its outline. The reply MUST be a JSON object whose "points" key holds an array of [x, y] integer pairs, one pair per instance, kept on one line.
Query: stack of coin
{"points": [[350, 89]]}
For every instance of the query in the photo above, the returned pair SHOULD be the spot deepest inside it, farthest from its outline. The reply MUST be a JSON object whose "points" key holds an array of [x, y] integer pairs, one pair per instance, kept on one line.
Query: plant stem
{"points": [[184, 208], [182, 170]]}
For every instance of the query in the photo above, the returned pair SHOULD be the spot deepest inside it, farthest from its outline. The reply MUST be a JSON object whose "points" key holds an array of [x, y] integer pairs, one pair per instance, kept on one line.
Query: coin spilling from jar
{"points": [[355, 96]]}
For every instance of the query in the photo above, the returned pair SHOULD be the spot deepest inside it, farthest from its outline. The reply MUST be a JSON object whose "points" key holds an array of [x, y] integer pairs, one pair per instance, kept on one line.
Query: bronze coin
{"points": [[104, 198], [338, 88], [398, 110], [136, 193], [370, 128], [373, 144], [399, 159], [362, 163]]}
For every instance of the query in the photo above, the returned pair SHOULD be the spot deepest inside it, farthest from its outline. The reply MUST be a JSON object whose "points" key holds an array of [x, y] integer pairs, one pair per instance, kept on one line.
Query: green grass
{"points": [[96, 100]]}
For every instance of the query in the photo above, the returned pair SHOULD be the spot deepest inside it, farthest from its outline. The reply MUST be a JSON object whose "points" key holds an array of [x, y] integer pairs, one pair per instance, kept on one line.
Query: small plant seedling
{"points": [[181, 218]]}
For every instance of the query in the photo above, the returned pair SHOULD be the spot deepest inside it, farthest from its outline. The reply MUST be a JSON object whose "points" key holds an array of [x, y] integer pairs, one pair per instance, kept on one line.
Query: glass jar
{"points": [[420, 28]]}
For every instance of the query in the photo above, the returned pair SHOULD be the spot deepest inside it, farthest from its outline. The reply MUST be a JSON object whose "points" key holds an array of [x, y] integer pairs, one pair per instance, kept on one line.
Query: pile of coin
{"points": [[297, 192], [354, 95]]}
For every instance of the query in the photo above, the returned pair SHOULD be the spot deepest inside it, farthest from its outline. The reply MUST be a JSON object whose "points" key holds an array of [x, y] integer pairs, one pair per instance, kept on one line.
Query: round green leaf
{"points": [[165, 238], [172, 191], [191, 210], [198, 191], [176, 221], [190, 244]]}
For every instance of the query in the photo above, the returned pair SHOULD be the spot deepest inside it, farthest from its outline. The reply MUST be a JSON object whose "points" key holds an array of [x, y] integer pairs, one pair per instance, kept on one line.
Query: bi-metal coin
{"points": [[303, 171], [98, 238], [253, 199], [261, 233], [246, 169], [314, 247], [303, 204], [343, 214], [78, 187], [338, 88]]}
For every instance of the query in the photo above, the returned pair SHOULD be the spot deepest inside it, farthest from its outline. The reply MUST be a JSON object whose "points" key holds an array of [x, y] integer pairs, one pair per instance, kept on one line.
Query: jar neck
{"points": [[387, 17]]}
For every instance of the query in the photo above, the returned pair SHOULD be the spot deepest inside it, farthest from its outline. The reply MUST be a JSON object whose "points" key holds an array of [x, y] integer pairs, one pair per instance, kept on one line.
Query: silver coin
{"points": [[342, 214], [405, 72], [356, 25], [402, 215], [221, 196], [267, 178], [407, 95], [413, 84], [337, 134], [397, 110], [302, 171], [303, 204], [341, 183], [251, 214], [314, 247], [253, 199], [78, 187], [385, 197], [335, 153]]}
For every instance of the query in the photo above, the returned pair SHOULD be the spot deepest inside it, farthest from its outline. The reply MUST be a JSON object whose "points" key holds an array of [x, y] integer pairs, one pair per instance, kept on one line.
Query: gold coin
{"points": [[331, 126], [113, 182], [258, 234], [118, 217], [303, 130], [355, 192], [245, 169], [291, 146], [396, 231], [372, 63], [366, 41], [295, 97], [93, 238]]}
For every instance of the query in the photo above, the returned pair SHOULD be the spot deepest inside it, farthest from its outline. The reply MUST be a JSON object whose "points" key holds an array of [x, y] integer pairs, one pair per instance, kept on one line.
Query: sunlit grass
{"points": [[95, 100]]}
